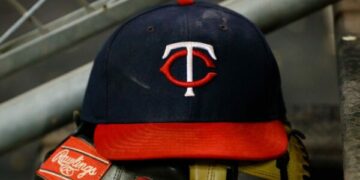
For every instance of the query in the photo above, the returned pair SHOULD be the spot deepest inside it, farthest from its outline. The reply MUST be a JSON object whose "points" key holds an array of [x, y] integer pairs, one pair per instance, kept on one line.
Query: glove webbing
{"points": [[294, 165]]}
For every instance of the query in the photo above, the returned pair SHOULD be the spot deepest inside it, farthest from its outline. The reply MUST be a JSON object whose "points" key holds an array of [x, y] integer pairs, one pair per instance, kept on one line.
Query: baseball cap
{"points": [[186, 80]]}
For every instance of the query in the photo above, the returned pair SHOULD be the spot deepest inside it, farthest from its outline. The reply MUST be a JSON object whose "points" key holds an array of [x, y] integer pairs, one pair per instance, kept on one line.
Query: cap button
{"points": [[185, 2]]}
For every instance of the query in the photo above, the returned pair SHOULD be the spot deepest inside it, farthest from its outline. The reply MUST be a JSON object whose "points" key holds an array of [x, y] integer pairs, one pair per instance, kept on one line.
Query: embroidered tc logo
{"points": [[189, 52]]}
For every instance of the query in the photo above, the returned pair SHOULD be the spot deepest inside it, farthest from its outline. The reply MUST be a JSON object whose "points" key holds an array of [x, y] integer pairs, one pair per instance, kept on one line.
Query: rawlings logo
{"points": [[74, 159], [189, 53], [69, 165]]}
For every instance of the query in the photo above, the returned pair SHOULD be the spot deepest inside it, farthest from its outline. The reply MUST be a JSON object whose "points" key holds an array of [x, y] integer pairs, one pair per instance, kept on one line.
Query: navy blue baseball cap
{"points": [[186, 80]]}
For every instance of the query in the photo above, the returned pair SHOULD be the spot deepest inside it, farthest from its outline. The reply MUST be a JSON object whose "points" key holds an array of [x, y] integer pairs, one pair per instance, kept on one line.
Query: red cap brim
{"points": [[216, 140]]}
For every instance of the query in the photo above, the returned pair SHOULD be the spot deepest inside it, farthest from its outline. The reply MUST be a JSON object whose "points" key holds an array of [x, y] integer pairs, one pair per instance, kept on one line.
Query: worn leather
{"points": [[295, 163], [213, 171], [147, 171], [190, 170], [162, 171], [208, 172]]}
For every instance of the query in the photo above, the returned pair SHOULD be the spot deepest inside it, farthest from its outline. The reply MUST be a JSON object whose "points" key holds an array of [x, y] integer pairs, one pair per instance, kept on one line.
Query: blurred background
{"points": [[305, 51]]}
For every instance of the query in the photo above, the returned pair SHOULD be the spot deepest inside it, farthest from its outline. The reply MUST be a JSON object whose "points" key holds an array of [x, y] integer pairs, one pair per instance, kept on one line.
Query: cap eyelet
{"points": [[150, 29], [223, 27]]}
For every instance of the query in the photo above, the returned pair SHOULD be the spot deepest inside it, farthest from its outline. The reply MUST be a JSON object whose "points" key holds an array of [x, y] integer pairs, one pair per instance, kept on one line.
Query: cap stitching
{"points": [[187, 32], [119, 30], [116, 33], [254, 27]]}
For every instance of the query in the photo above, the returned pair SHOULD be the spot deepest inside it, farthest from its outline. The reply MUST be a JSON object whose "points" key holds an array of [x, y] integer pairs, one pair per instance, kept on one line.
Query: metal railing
{"points": [[25, 15], [67, 31]]}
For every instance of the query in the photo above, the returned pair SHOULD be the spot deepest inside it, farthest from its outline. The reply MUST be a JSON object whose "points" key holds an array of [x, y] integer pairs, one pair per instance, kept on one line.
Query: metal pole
{"points": [[20, 21], [347, 24], [272, 14], [42, 109], [34, 110], [69, 30], [21, 9]]}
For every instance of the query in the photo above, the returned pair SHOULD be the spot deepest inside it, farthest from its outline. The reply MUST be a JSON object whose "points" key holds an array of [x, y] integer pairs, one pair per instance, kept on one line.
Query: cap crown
{"points": [[143, 70]]}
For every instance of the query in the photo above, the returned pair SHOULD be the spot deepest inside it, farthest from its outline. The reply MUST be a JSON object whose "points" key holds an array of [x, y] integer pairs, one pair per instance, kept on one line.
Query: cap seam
{"points": [[254, 27], [118, 31], [188, 36], [107, 79], [115, 35]]}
